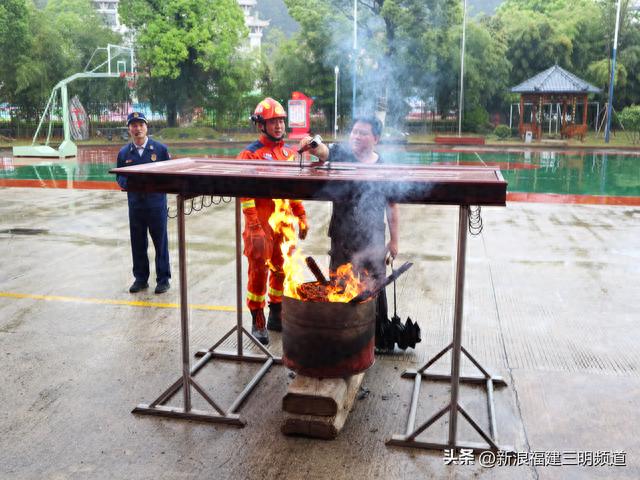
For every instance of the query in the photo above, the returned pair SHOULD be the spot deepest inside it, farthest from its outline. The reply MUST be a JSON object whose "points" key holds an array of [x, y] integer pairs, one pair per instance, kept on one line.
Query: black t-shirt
{"points": [[357, 227]]}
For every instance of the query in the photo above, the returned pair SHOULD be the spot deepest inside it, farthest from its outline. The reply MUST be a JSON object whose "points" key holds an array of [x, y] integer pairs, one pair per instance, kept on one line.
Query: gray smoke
{"points": [[386, 70]]}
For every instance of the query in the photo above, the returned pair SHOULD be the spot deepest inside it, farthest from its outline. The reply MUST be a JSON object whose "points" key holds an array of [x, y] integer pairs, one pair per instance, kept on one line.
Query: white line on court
{"points": [[480, 158]]}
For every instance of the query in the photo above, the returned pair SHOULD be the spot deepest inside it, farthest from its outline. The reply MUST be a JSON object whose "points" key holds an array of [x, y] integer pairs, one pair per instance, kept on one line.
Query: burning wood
{"points": [[341, 288], [314, 292], [315, 269]]}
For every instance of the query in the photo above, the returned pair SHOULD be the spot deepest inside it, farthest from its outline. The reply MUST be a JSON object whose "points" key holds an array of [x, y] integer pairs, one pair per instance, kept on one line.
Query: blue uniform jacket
{"points": [[128, 155]]}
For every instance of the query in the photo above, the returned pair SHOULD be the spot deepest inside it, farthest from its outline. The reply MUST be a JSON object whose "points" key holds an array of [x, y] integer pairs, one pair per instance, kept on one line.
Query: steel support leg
{"points": [[187, 380], [408, 439]]}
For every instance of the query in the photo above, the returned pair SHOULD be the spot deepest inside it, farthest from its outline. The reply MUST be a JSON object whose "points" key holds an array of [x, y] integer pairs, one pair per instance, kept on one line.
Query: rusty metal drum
{"points": [[328, 339]]}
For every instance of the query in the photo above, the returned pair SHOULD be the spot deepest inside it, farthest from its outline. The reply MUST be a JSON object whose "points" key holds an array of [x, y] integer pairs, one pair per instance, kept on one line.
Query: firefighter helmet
{"points": [[268, 109]]}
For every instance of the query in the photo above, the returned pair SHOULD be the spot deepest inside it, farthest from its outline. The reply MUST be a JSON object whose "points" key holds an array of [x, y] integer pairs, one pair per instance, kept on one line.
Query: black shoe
{"points": [[275, 317], [137, 286], [258, 326], [163, 286]]}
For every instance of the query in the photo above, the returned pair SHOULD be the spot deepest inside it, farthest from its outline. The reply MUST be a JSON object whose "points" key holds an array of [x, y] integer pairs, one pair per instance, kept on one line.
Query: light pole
{"points": [[336, 70], [613, 76], [461, 100], [355, 57]]}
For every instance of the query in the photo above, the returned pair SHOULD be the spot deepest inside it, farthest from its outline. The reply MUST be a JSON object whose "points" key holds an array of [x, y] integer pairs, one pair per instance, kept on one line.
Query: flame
{"points": [[282, 222], [344, 284]]}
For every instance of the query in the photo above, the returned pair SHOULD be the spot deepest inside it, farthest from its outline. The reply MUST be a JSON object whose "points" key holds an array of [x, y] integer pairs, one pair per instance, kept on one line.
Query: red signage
{"points": [[299, 112]]}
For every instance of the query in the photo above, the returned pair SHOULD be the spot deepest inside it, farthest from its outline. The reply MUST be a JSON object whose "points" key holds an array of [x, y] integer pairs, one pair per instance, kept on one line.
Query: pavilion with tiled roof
{"points": [[554, 85]]}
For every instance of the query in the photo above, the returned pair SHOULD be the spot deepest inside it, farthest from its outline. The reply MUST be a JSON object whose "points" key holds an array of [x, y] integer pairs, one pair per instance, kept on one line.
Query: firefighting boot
{"points": [[275, 317], [258, 326]]}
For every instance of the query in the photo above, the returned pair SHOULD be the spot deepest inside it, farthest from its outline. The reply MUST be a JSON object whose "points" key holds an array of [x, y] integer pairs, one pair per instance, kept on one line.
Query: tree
{"points": [[630, 118], [38, 48], [304, 62], [486, 68], [184, 48], [15, 46], [79, 30], [630, 58], [397, 54]]}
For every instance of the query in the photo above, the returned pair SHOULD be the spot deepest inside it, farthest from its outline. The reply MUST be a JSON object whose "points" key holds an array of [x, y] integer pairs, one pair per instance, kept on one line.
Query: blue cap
{"points": [[135, 116]]}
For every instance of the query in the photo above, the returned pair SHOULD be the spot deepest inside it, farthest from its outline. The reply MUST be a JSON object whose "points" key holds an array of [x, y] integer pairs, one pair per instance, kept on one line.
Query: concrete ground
{"points": [[551, 305]]}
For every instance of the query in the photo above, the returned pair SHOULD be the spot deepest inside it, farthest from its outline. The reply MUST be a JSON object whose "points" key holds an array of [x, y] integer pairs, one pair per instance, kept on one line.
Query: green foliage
{"points": [[600, 72], [486, 68], [305, 62], [189, 52], [278, 15], [576, 34], [502, 132], [630, 58], [397, 57], [476, 120], [16, 40], [630, 118], [187, 133], [38, 48]]}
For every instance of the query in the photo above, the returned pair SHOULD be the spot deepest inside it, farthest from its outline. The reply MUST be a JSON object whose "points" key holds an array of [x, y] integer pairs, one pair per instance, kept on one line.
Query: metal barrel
{"points": [[328, 339]]}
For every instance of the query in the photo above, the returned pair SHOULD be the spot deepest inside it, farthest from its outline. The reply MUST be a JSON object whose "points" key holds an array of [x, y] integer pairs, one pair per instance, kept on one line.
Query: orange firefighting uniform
{"points": [[264, 253]]}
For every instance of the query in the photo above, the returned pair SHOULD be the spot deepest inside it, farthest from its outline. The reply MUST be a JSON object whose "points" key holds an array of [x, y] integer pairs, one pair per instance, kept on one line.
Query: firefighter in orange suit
{"points": [[261, 244]]}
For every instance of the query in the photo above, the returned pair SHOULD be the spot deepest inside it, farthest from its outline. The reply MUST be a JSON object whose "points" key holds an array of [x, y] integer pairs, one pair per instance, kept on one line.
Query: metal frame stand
{"points": [[187, 380], [408, 439]]}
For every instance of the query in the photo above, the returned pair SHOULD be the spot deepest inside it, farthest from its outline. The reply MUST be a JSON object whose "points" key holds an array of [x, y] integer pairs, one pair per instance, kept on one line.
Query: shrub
{"points": [[476, 120], [502, 132], [630, 118]]}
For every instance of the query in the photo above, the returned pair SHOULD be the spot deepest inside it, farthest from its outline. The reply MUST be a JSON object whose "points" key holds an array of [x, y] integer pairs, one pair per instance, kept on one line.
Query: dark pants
{"points": [[154, 221]]}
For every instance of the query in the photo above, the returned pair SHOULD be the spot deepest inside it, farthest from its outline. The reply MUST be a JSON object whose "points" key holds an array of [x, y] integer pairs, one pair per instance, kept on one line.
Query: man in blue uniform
{"points": [[147, 211]]}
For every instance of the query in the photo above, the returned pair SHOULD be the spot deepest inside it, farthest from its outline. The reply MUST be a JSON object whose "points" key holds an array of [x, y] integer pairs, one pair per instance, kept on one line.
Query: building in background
{"points": [[109, 11], [253, 23]]}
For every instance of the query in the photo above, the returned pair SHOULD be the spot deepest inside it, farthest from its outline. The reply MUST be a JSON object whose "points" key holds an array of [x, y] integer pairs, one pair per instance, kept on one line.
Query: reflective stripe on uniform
{"points": [[248, 204], [275, 293], [256, 298]]}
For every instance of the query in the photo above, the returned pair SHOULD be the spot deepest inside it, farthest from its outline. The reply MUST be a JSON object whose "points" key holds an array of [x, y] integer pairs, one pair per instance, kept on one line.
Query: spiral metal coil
{"points": [[475, 220], [198, 203]]}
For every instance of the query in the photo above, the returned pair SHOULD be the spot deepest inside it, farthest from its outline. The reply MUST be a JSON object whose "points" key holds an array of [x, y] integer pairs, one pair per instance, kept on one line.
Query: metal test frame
{"points": [[462, 186]]}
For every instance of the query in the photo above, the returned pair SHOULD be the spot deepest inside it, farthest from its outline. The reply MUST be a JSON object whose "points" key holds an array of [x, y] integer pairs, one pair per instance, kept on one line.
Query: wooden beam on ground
{"points": [[306, 397]]}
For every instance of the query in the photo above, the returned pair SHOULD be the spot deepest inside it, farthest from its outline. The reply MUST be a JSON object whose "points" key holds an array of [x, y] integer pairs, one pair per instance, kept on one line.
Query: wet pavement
{"points": [[551, 305]]}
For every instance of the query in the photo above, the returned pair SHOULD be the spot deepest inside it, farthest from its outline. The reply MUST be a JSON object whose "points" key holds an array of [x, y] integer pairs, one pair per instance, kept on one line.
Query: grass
{"points": [[619, 140], [188, 133]]}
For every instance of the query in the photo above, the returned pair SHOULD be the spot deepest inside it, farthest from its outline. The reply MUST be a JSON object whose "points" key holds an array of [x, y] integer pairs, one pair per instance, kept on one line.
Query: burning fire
{"points": [[343, 285]]}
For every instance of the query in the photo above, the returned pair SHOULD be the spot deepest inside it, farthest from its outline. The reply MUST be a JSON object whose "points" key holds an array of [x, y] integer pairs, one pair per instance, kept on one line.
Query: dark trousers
{"points": [[154, 221]]}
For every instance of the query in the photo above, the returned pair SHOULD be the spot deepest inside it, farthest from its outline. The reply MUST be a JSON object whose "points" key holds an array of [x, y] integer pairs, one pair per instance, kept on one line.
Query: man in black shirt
{"points": [[357, 226]]}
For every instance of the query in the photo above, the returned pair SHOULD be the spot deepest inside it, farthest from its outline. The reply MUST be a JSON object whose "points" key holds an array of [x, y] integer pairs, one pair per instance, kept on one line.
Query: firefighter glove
{"points": [[303, 227], [258, 246]]}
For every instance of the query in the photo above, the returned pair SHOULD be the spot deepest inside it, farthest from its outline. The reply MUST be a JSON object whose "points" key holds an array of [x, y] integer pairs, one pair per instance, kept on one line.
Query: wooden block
{"points": [[323, 426], [314, 396]]}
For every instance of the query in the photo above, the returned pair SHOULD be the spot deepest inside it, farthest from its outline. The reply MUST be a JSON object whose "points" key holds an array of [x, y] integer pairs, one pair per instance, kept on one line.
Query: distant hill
{"points": [[276, 12], [482, 7]]}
